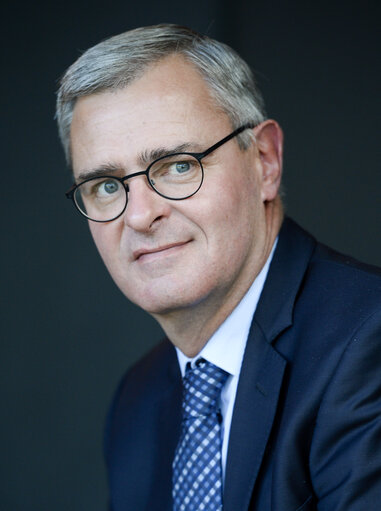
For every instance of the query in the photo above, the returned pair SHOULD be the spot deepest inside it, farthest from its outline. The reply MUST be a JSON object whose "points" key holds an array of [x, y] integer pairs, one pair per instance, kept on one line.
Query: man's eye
{"points": [[173, 169], [106, 188], [110, 186], [180, 167]]}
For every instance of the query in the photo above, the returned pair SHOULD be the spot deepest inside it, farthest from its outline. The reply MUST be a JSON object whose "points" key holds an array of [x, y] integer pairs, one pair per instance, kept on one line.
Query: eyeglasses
{"points": [[175, 176]]}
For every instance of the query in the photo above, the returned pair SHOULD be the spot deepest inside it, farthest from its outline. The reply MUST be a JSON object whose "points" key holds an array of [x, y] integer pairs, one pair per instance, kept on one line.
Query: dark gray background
{"points": [[67, 333]]}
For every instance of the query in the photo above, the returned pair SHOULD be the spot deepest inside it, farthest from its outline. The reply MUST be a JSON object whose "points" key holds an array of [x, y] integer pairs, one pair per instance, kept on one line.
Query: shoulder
{"points": [[342, 287], [331, 262], [139, 394], [335, 284], [150, 375], [320, 292]]}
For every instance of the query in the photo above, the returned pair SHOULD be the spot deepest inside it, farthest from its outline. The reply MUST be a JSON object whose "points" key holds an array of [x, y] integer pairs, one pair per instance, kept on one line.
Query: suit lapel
{"points": [[255, 406], [285, 277], [263, 367]]}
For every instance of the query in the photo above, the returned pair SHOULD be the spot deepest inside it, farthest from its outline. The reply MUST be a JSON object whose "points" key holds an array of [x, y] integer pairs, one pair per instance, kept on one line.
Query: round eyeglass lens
{"points": [[177, 176], [101, 199]]}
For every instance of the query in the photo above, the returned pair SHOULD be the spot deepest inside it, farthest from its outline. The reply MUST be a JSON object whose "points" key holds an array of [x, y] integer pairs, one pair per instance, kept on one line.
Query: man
{"points": [[267, 393]]}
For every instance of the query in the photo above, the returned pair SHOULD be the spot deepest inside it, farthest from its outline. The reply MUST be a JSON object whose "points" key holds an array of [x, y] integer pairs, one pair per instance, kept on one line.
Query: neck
{"points": [[190, 328]]}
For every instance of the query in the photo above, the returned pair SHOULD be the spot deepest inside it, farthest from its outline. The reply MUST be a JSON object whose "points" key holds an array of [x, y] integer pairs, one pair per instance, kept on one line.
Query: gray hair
{"points": [[117, 61]]}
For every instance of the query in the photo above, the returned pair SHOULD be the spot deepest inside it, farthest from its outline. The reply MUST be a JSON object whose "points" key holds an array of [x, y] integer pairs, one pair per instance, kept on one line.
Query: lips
{"points": [[137, 254]]}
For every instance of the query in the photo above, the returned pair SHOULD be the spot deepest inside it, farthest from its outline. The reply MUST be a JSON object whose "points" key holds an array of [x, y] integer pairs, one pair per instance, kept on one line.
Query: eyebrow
{"points": [[103, 170], [145, 158]]}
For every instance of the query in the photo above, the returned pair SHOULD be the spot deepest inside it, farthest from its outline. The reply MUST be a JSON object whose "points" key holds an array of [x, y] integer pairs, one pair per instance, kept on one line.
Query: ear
{"points": [[269, 141]]}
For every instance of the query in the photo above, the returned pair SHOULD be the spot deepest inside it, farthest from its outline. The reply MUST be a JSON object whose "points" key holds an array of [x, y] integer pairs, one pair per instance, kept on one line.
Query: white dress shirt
{"points": [[226, 348]]}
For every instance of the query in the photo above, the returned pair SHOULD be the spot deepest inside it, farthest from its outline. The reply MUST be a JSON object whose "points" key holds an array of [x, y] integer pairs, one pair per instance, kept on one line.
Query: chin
{"points": [[160, 300], [160, 305]]}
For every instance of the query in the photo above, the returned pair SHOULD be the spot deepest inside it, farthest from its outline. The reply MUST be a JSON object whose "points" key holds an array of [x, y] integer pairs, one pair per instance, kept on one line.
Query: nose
{"points": [[145, 207]]}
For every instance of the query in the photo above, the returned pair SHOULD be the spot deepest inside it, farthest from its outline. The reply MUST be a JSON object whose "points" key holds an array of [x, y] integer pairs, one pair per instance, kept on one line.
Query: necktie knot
{"points": [[202, 389]]}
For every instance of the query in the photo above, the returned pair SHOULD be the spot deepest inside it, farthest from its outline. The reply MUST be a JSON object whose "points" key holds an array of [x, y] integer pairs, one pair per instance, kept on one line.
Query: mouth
{"points": [[145, 253]]}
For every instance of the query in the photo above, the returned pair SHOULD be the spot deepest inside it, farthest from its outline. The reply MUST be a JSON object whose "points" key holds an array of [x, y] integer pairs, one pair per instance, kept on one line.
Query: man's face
{"points": [[168, 255]]}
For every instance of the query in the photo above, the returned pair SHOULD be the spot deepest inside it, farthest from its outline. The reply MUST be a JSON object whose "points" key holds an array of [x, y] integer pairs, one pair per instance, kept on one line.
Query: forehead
{"points": [[170, 102]]}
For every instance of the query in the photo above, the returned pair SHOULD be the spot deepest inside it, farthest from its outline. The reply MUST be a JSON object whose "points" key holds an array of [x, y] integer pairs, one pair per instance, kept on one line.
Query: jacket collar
{"points": [[286, 273]]}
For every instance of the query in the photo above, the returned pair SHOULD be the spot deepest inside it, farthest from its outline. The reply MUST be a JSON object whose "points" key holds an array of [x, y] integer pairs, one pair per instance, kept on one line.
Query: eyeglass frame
{"points": [[198, 156]]}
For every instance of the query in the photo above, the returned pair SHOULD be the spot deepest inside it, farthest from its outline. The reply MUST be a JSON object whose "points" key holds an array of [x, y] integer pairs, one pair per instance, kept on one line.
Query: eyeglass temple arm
{"points": [[239, 130], [69, 193]]}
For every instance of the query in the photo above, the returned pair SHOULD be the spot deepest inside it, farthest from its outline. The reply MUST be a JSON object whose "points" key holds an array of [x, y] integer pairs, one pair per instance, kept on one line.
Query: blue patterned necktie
{"points": [[197, 472]]}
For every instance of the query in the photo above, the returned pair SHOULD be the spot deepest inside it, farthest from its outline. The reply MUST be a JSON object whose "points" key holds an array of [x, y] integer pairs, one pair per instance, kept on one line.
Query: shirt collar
{"points": [[226, 347]]}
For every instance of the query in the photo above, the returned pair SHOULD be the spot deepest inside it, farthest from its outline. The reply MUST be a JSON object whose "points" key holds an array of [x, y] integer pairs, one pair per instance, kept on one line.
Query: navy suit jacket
{"points": [[306, 427]]}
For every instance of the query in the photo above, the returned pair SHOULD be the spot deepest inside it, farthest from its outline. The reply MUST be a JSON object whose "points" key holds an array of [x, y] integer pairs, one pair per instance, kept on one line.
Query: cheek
{"points": [[236, 203], [230, 221], [106, 238]]}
